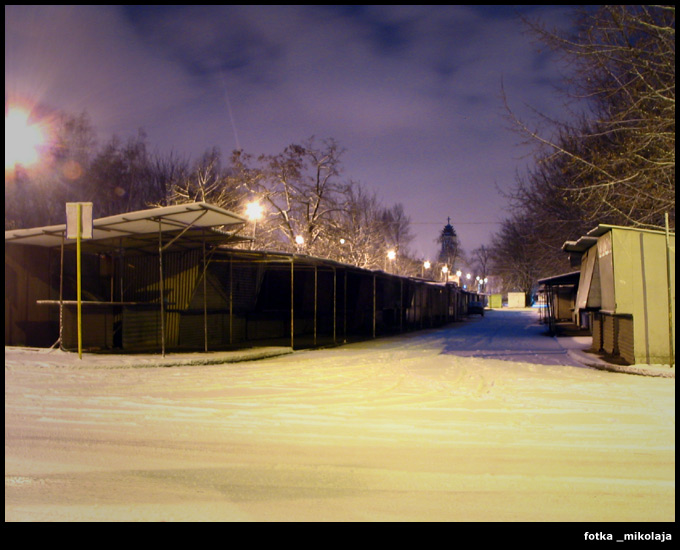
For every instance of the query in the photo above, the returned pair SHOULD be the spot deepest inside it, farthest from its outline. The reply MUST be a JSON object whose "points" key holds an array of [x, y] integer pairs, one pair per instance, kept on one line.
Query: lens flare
{"points": [[22, 139]]}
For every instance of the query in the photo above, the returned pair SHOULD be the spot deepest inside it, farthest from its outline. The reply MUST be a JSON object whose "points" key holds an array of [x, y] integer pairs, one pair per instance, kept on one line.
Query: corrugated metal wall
{"points": [[141, 283], [614, 335], [627, 339]]}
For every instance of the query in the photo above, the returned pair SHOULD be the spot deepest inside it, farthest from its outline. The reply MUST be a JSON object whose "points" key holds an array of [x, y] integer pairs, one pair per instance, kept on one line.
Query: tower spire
{"points": [[448, 254]]}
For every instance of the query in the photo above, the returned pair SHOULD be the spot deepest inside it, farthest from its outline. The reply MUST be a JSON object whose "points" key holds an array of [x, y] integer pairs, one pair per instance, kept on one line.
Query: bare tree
{"points": [[301, 191], [619, 157], [612, 163], [395, 227], [166, 172], [207, 182], [481, 258], [515, 258]]}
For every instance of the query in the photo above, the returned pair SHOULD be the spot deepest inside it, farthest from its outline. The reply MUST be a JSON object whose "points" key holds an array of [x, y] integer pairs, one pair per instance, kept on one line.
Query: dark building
{"points": [[167, 279]]}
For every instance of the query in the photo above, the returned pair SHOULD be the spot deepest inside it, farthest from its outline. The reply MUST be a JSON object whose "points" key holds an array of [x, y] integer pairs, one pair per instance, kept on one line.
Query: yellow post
{"points": [[80, 318]]}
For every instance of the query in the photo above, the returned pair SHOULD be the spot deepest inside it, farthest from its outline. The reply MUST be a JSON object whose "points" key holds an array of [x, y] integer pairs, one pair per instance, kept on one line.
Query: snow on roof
{"points": [[585, 242], [563, 279], [136, 225], [603, 228]]}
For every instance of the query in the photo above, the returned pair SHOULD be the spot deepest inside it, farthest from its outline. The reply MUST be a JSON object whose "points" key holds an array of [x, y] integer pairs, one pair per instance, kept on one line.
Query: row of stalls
{"points": [[623, 293], [165, 279]]}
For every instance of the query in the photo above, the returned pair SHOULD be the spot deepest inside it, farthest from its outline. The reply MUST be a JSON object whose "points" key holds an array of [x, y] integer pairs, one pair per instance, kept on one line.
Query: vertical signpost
{"points": [[79, 226], [669, 275]]}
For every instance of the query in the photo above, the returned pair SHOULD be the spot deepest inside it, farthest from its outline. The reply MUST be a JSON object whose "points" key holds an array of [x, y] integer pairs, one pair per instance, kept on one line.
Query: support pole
{"points": [[121, 252], [335, 304], [160, 286], [374, 304], [79, 223], [401, 305], [292, 300], [61, 296], [316, 281], [205, 300], [671, 343], [344, 311]]}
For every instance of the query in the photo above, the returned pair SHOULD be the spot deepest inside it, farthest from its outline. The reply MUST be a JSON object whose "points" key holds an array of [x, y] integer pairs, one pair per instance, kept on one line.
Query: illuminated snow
{"points": [[487, 420]]}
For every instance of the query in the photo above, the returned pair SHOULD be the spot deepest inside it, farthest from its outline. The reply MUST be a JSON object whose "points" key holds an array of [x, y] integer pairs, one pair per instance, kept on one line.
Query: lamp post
{"points": [[254, 212], [445, 271], [426, 265], [391, 255]]}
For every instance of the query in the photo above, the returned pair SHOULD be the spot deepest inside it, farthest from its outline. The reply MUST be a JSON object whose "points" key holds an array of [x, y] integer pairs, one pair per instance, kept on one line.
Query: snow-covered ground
{"points": [[487, 420]]}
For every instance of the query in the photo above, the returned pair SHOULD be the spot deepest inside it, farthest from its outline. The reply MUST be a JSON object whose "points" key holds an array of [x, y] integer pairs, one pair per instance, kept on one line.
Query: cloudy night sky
{"points": [[413, 93]]}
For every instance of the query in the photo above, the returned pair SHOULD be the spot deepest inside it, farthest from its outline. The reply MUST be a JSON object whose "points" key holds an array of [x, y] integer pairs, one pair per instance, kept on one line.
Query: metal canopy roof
{"points": [[603, 228], [194, 222], [585, 242], [564, 279]]}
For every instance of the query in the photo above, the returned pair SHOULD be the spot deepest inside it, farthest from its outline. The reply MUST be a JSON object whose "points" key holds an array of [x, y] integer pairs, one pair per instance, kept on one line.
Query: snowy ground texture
{"points": [[487, 420]]}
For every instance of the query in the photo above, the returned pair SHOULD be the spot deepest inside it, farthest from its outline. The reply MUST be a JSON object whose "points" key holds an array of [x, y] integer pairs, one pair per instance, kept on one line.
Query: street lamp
{"points": [[391, 255], [426, 265], [254, 212], [445, 271]]}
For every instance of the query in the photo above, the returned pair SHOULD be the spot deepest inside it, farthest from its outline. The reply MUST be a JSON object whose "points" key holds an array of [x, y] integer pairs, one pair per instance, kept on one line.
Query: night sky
{"points": [[413, 93]]}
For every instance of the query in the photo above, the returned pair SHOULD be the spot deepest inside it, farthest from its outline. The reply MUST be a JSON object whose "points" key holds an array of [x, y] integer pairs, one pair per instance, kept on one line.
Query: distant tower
{"points": [[448, 254]]}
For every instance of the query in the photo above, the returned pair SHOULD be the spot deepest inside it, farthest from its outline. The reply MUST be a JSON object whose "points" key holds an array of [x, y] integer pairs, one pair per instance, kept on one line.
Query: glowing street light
{"points": [[445, 271], [391, 255], [22, 139], [426, 265], [254, 212], [299, 240]]}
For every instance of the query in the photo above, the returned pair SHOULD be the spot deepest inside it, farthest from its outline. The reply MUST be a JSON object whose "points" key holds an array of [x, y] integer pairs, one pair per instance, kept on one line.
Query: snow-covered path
{"points": [[509, 335], [485, 421]]}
